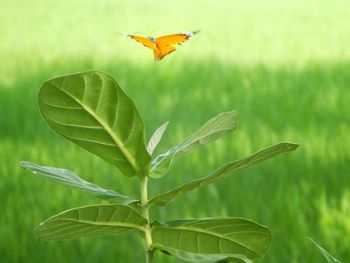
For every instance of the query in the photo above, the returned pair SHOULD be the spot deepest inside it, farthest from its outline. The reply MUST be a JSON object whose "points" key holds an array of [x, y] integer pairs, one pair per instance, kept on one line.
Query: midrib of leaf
{"points": [[106, 224], [195, 230], [115, 139]]}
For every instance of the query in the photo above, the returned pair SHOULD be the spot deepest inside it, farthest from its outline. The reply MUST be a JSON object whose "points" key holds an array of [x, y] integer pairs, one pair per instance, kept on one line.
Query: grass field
{"points": [[285, 65]]}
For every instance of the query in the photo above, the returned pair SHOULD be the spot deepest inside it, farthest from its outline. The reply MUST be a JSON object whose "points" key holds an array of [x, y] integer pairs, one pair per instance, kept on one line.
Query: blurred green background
{"points": [[283, 64]]}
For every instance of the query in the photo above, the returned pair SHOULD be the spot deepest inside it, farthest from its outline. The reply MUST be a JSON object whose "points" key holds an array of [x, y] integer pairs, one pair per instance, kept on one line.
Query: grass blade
{"points": [[325, 253]]}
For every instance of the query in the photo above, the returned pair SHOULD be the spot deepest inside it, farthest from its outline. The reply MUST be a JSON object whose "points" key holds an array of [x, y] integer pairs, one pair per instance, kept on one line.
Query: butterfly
{"points": [[164, 45]]}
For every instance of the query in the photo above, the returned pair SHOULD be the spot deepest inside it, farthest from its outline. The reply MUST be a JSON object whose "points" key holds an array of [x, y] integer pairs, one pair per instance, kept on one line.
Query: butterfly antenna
{"points": [[121, 34], [195, 32], [139, 33]]}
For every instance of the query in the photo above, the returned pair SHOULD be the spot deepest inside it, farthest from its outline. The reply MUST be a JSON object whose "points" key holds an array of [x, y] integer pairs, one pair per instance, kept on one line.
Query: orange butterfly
{"points": [[164, 45]]}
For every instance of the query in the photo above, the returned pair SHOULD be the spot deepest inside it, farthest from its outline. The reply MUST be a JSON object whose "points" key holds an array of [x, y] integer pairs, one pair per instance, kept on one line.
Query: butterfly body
{"points": [[164, 45], [152, 39]]}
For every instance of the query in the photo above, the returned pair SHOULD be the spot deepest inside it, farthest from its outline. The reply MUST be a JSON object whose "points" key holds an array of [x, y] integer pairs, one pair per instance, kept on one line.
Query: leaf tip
{"points": [[292, 146], [289, 146], [24, 164]]}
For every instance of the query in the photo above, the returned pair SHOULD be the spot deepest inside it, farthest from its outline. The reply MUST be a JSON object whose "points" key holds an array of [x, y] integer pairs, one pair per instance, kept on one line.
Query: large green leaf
{"points": [[156, 137], [210, 131], [91, 110], [66, 177], [325, 253], [94, 220], [223, 171], [212, 240]]}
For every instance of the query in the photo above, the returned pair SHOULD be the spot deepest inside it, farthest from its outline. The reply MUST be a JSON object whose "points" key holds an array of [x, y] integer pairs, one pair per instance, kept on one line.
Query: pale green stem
{"points": [[145, 213]]}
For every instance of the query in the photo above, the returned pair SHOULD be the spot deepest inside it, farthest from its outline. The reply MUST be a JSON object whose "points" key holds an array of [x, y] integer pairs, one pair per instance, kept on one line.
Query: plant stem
{"points": [[145, 213]]}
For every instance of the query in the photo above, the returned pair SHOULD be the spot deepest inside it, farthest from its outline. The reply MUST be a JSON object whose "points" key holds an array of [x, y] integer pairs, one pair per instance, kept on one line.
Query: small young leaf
{"points": [[94, 220], [91, 110], [212, 240], [210, 131], [66, 177], [223, 171], [325, 253], [156, 137]]}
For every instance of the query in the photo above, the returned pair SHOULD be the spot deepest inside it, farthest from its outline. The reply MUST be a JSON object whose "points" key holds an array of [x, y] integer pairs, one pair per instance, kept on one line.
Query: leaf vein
{"points": [[116, 140]]}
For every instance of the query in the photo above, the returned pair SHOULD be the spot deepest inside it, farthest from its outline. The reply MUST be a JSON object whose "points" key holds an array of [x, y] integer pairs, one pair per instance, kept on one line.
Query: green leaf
{"points": [[212, 240], [210, 131], [223, 171], [325, 253], [156, 137], [91, 110], [206, 258], [66, 177], [94, 220]]}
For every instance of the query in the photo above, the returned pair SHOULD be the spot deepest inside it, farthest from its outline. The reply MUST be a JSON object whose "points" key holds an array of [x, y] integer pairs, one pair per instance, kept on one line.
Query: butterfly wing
{"points": [[165, 44], [144, 41], [175, 39], [159, 53]]}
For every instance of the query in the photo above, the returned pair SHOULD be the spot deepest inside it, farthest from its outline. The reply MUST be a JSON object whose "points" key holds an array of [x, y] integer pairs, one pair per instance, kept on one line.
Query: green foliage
{"points": [[93, 220], [210, 131], [284, 64], [91, 110], [223, 171], [66, 177], [325, 253], [156, 137], [229, 239]]}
